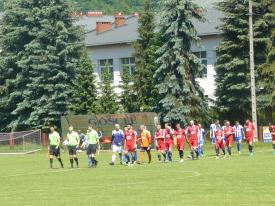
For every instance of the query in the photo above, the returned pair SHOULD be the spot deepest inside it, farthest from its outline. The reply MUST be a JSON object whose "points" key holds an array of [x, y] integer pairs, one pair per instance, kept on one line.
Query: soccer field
{"points": [[240, 180]]}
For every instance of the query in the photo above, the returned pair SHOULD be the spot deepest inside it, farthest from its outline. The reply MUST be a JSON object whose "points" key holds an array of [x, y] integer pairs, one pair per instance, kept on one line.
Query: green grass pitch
{"points": [[240, 180]]}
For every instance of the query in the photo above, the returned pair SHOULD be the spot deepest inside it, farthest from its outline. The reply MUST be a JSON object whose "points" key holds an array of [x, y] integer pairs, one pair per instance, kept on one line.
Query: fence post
{"points": [[11, 140], [44, 139]]}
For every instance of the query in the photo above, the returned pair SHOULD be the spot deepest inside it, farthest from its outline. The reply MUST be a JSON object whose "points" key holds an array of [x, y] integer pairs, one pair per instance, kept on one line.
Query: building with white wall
{"points": [[109, 42]]}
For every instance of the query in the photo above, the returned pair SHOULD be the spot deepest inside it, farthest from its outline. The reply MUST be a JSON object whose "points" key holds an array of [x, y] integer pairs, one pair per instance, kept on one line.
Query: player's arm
{"points": [[149, 137], [78, 140], [58, 141]]}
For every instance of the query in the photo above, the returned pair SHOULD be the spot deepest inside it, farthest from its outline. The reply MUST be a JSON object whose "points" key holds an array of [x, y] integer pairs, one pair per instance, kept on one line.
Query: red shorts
{"points": [[168, 144], [161, 145], [219, 145], [129, 148], [180, 143], [248, 139], [229, 141], [193, 143], [273, 138]]}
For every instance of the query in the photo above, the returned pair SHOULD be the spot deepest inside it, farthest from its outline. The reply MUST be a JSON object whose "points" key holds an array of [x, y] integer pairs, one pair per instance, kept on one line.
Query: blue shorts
{"points": [[236, 139]]}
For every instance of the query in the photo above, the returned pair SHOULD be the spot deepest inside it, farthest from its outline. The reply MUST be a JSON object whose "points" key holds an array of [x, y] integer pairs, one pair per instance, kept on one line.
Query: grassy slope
{"points": [[25, 180]]}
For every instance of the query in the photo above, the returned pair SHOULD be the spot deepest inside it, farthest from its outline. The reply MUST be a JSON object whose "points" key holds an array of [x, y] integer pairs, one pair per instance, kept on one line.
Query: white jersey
{"points": [[201, 135], [213, 129], [238, 131]]}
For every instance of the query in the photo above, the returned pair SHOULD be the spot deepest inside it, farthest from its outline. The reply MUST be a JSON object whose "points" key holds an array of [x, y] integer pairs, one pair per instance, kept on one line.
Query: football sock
{"points": [[250, 148], [169, 155], [223, 150], [197, 153], [239, 147], [201, 151], [181, 153], [217, 152], [273, 146], [192, 154], [61, 163], [76, 160], [72, 163], [149, 155], [127, 158], [120, 157], [229, 150], [159, 157], [141, 156], [51, 162], [113, 158]]}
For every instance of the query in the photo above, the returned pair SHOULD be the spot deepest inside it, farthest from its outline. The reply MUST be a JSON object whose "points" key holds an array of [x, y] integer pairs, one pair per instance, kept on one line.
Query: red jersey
{"points": [[249, 130], [272, 131], [168, 135], [228, 132], [129, 137], [179, 133], [219, 135], [193, 132], [159, 135]]}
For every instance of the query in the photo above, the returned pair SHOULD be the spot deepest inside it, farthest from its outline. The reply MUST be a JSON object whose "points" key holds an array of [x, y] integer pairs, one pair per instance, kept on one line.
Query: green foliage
{"points": [[41, 50], [145, 55], [128, 98], [107, 102], [233, 73], [266, 96], [180, 96], [109, 6], [85, 92]]}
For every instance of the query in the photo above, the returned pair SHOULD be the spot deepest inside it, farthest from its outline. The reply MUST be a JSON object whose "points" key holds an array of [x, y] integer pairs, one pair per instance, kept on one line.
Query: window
{"points": [[203, 58], [128, 63], [106, 65]]}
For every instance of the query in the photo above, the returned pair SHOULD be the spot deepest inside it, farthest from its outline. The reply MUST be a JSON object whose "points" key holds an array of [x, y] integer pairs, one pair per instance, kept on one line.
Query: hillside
{"points": [[106, 6]]}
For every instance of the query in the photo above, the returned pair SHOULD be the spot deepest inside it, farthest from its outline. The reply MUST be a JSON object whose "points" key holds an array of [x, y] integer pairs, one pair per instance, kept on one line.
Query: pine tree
{"points": [[128, 96], [107, 102], [41, 46], [233, 73], [266, 97], [85, 91], [145, 55], [180, 94]]}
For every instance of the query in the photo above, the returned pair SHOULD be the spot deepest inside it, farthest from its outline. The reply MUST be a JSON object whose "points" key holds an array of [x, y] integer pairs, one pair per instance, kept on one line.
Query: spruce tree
{"points": [[181, 97], [232, 67], [45, 47], [145, 54], [129, 95], [85, 91], [266, 96], [107, 102]]}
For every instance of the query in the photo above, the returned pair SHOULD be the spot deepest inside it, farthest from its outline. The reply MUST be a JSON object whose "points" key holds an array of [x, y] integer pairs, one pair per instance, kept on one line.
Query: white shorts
{"points": [[116, 148]]}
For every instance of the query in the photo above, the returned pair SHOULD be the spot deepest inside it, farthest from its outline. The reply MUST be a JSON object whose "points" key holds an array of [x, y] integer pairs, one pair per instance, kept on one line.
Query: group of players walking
{"points": [[124, 143]]}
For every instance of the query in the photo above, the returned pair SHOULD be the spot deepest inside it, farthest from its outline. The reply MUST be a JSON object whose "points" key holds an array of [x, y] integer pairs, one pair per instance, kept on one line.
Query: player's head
{"points": [[90, 128], [237, 123], [178, 126], [158, 126], [126, 128], [227, 123], [117, 127], [191, 122], [52, 129], [71, 128], [167, 125], [217, 122], [142, 127], [247, 121], [199, 125]]}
